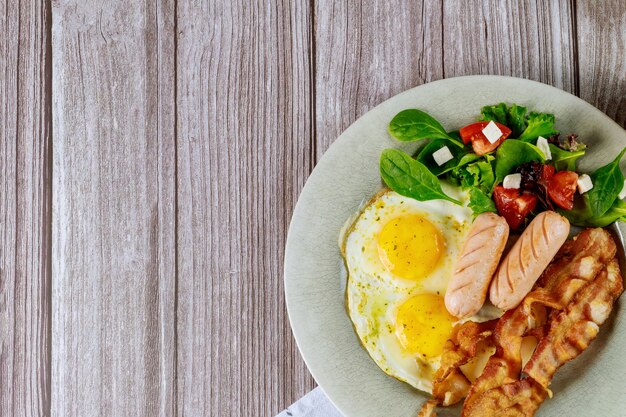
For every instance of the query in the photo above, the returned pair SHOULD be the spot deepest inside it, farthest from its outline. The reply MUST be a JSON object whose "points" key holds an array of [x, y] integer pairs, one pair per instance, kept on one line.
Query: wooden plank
{"points": [[529, 39], [367, 52], [25, 201], [113, 208], [244, 152], [602, 50]]}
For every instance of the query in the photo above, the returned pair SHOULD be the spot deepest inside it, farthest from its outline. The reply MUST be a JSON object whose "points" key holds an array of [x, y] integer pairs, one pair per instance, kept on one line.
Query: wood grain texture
{"points": [[183, 133], [528, 39], [366, 52], [25, 204], [244, 132], [114, 209], [602, 54]]}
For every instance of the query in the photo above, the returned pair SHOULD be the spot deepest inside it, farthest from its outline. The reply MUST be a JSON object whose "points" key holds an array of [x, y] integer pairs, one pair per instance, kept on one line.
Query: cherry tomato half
{"points": [[513, 205], [474, 133], [561, 189]]}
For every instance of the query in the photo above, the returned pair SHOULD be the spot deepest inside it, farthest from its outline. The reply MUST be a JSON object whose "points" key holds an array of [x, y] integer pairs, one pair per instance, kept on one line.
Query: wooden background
{"points": [[151, 154]]}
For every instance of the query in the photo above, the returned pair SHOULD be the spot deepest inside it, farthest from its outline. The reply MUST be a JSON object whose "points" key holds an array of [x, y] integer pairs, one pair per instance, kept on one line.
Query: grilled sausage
{"points": [[477, 262], [527, 259]]}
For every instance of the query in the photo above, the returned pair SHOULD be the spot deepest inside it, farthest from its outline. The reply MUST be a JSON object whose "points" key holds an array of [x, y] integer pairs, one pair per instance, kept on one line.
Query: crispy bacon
{"points": [[505, 365], [428, 409], [576, 264], [450, 385], [573, 297], [518, 398], [574, 280], [573, 329]]}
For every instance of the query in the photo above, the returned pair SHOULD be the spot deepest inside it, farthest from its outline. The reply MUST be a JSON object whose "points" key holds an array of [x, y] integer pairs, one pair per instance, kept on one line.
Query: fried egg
{"points": [[400, 255]]}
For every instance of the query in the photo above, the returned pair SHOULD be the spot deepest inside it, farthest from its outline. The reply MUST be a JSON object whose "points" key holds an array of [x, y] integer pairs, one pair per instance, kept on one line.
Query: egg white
{"points": [[374, 294]]}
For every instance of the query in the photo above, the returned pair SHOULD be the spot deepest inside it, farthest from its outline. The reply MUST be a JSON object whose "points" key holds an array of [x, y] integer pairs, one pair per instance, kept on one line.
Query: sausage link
{"points": [[527, 259], [477, 262]]}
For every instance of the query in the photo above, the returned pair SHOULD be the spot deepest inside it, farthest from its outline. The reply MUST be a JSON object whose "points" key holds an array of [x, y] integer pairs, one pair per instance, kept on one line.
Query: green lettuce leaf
{"points": [[513, 117], [476, 174], [539, 124], [479, 202]]}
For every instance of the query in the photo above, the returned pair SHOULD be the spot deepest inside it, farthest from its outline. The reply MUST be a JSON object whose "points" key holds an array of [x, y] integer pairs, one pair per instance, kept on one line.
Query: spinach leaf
{"points": [[564, 160], [539, 124], [513, 117], [616, 212], [512, 153], [607, 183], [480, 202], [410, 178], [582, 216], [412, 124], [456, 136], [425, 156]]}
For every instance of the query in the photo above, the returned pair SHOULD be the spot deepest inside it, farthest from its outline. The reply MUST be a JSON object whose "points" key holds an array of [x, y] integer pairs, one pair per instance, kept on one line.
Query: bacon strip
{"points": [[572, 330], [519, 398], [450, 385], [505, 365], [574, 296], [577, 278]]}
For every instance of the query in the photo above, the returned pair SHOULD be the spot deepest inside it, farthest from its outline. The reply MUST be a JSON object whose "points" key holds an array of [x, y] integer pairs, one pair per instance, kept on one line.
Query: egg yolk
{"points": [[410, 247], [423, 325]]}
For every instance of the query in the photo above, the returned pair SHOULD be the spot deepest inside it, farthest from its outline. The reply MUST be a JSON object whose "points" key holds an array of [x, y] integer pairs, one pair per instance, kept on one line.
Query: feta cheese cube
{"points": [[442, 155], [492, 132], [584, 183], [512, 181], [622, 193], [542, 144]]}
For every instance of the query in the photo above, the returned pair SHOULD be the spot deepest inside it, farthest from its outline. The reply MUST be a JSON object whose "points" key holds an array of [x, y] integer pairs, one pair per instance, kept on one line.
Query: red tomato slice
{"points": [[561, 189], [474, 133], [513, 205], [547, 172]]}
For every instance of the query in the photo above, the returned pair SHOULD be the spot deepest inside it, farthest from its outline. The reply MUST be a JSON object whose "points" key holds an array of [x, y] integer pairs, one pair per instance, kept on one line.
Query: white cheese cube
{"points": [[442, 155], [512, 181], [622, 193], [492, 132], [584, 183], [542, 144]]}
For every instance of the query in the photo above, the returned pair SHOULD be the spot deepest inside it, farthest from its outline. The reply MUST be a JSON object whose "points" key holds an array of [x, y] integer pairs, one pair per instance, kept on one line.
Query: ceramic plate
{"points": [[347, 175]]}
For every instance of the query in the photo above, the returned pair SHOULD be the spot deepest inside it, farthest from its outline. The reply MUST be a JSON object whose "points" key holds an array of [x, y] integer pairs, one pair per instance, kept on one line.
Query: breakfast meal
{"points": [[463, 280]]}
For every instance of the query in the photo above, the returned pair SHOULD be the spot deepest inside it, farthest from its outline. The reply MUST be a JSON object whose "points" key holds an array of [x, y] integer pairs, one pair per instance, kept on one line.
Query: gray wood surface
{"points": [[244, 138], [152, 152], [529, 39], [25, 208], [113, 247], [601, 48], [367, 52]]}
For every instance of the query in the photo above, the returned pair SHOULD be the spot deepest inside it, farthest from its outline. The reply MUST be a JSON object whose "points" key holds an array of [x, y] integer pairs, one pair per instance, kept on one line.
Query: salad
{"points": [[511, 161]]}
